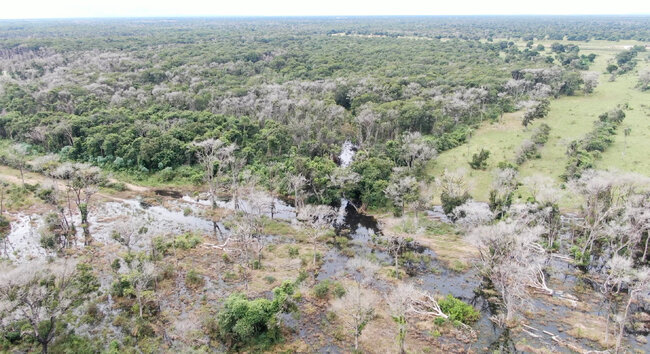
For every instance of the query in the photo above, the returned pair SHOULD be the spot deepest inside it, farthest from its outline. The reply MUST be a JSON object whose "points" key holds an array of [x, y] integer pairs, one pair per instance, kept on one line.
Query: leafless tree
{"points": [[618, 272], [129, 233], [297, 184], [209, 154], [504, 185], [141, 279], [356, 307], [422, 200], [606, 196], [512, 259], [3, 186], [395, 247], [542, 189], [18, 154], [82, 180], [399, 303], [638, 288], [319, 219], [590, 81], [5, 230], [415, 151], [452, 182], [367, 121], [402, 190], [472, 214], [644, 79], [41, 295], [453, 189], [237, 179]]}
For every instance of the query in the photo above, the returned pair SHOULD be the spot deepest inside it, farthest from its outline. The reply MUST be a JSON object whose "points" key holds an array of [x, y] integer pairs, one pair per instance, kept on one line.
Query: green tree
{"points": [[479, 160]]}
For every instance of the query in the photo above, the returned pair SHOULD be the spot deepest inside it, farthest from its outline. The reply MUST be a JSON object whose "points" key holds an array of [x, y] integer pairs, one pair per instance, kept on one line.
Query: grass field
{"points": [[569, 118]]}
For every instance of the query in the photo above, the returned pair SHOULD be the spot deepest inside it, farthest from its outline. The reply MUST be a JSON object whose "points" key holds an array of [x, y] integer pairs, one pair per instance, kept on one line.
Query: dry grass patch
{"points": [[449, 246], [590, 327]]}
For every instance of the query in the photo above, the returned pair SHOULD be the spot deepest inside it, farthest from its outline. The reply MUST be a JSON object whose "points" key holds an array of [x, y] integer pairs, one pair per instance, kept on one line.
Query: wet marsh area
{"points": [[436, 258]]}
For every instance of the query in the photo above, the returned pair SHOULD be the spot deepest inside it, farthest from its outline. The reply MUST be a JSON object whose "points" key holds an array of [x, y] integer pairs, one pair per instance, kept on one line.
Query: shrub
{"points": [[167, 174], [541, 133], [526, 150], [338, 290], [118, 186], [583, 153], [244, 322], [450, 202], [185, 241], [322, 289], [479, 161], [293, 251], [193, 278], [457, 310]]}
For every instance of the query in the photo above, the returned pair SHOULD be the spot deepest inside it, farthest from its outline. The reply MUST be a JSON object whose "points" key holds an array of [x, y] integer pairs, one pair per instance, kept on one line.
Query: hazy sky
{"points": [[133, 8]]}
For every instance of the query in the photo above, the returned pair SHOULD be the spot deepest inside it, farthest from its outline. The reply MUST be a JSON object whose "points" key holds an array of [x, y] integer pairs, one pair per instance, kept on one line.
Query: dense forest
{"points": [[286, 94], [264, 184]]}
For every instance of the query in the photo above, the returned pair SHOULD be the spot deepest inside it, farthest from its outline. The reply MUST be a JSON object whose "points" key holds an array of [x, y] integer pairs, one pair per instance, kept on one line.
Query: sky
{"points": [[28, 9]]}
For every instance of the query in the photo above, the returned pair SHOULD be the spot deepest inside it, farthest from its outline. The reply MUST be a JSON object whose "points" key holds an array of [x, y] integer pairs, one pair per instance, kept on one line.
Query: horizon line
{"points": [[316, 16]]}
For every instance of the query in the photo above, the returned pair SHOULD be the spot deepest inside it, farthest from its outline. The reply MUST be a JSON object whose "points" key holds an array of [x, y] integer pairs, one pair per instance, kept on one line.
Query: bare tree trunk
{"points": [[622, 329], [356, 341], [140, 304], [397, 264], [609, 307], [22, 176], [215, 226]]}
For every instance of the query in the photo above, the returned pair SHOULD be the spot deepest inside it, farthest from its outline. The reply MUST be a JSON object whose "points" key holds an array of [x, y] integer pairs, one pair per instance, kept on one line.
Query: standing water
{"points": [[348, 150]]}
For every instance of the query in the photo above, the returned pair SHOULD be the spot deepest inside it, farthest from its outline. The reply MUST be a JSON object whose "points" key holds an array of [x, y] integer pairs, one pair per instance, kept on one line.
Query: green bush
{"points": [[583, 153], [244, 322], [541, 133], [457, 310], [479, 161], [450, 202], [118, 186], [293, 251], [193, 278], [338, 290], [322, 289], [185, 241]]}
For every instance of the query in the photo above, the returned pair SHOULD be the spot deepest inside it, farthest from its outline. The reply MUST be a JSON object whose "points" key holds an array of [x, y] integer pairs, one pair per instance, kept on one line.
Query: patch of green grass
{"points": [[193, 279], [293, 251], [278, 227], [458, 266], [570, 118]]}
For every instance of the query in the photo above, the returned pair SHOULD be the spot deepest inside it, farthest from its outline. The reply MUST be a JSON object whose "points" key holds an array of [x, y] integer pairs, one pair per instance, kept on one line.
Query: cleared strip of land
{"points": [[569, 118]]}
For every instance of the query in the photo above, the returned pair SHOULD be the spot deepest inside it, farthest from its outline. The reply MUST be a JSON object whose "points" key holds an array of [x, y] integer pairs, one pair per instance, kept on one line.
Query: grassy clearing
{"points": [[569, 118], [442, 238], [501, 138]]}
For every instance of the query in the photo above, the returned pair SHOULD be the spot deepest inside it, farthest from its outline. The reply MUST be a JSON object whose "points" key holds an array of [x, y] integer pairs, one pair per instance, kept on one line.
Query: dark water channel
{"points": [[363, 232]]}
